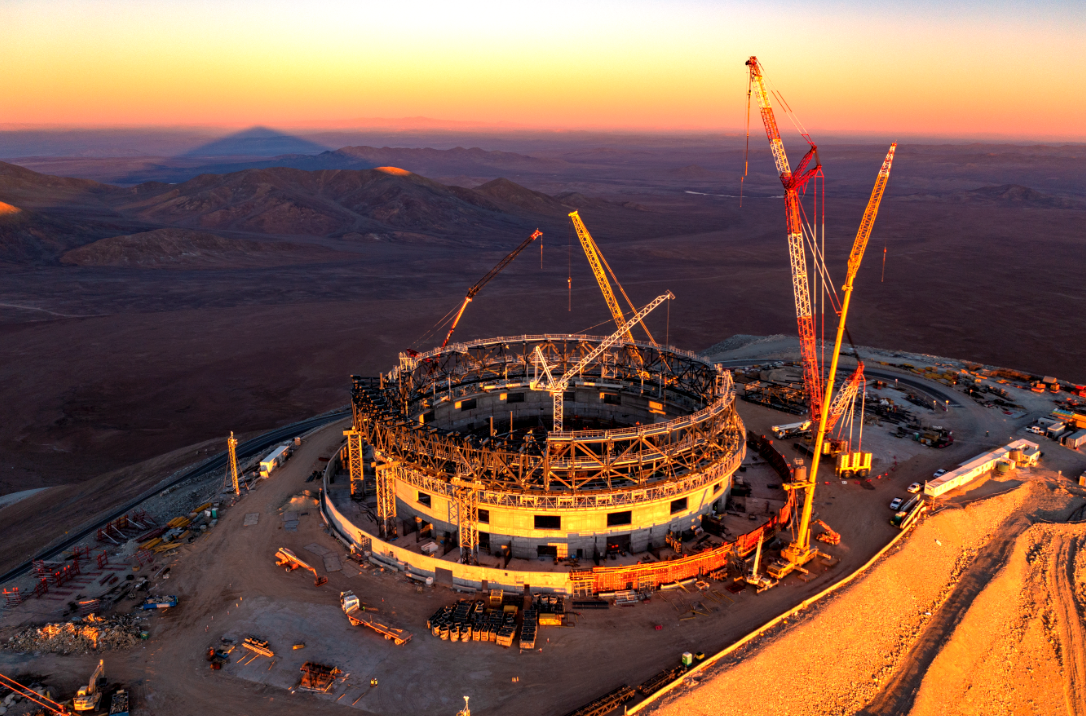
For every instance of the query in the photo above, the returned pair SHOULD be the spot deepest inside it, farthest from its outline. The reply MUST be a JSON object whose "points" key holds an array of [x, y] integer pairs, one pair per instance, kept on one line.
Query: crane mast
{"points": [[474, 290], [801, 545], [793, 182]]}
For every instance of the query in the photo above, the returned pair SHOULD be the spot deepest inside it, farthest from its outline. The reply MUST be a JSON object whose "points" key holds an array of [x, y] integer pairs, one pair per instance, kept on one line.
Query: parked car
{"points": [[939, 473], [895, 503], [1035, 430], [913, 488]]}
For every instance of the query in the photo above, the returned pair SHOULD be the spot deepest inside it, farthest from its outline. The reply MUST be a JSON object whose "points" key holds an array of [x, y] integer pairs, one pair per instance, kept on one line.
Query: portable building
{"points": [[274, 459], [1075, 441], [982, 464]]}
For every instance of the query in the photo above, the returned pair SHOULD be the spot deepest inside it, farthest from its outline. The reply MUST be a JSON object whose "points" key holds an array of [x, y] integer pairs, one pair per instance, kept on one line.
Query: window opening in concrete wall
{"points": [[514, 398], [616, 519], [547, 550], [484, 516], [610, 398], [717, 488], [548, 522], [678, 505], [424, 499], [466, 404]]}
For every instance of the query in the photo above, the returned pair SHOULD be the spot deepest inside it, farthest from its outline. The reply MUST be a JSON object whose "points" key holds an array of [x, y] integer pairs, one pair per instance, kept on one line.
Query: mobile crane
{"points": [[474, 290], [290, 561]]}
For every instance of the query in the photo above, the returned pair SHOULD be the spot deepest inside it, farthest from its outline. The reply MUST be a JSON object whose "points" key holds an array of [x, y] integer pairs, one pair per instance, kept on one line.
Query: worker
{"points": [[373, 682]]}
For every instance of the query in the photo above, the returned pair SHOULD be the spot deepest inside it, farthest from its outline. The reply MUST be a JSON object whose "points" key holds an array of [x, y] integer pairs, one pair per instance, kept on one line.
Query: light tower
{"points": [[232, 445]]}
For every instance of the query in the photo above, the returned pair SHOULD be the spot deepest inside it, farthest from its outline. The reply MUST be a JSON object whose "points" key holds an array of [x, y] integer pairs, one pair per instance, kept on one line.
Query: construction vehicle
{"points": [[118, 705], [290, 561], [159, 602], [791, 430], [800, 551], [907, 513], [828, 535], [348, 602], [393, 634], [545, 380], [758, 581], [88, 697], [474, 290]]}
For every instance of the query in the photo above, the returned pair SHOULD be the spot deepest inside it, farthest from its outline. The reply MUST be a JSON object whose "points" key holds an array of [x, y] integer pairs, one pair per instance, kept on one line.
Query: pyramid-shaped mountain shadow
{"points": [[256, 142]]}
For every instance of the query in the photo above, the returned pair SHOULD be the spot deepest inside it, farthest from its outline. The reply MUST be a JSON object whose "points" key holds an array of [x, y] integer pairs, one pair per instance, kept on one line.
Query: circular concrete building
{"points": [[463, 443]]}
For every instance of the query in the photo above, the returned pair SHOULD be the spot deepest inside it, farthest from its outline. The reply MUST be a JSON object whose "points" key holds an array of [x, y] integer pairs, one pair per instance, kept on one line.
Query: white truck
{"points": [[791, 430]]}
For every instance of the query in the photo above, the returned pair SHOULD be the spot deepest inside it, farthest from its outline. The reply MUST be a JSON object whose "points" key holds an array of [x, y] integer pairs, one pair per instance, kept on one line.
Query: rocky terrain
{"points": [[979, 611], [185, 248]]}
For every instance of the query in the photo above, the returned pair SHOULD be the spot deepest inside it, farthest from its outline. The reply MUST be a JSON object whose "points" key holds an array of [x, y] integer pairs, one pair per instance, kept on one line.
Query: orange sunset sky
{"points": [[956, 69]]}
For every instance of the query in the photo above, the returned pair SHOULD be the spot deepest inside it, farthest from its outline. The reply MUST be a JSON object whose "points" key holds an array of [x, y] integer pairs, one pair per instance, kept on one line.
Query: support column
{"points": [[467, 519], [386, 497], [354, 461]]}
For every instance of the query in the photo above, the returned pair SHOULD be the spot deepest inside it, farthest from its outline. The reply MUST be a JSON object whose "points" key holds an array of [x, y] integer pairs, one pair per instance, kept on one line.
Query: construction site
{"points": [[631, 526]]}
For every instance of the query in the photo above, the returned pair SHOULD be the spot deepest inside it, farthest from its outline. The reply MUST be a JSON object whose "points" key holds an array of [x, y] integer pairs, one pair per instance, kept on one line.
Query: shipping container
{"points": [[1075, 441]]}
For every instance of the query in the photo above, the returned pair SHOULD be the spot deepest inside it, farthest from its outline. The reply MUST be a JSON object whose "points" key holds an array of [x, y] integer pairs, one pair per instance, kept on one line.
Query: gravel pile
{"points": [[838, 656], [120, 632]]}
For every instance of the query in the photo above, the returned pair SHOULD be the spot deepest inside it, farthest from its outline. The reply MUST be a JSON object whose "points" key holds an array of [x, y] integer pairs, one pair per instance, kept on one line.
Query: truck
{"points": [[791, 430], [348, 602], [901, 517], [88, 697], [118, 706], [159, 602]]}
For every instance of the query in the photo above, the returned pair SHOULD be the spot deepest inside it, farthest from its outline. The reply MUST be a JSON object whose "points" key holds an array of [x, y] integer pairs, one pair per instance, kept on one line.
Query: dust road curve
{"points": [[218, 462]]}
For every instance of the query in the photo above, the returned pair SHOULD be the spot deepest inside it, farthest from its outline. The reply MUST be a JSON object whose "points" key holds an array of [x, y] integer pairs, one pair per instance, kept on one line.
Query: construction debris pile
{"points": [[92, 634]]}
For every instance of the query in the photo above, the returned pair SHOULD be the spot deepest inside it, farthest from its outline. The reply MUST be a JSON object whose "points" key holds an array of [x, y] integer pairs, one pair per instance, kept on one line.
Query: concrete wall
{"points": [[584, 529], [407, 561]]}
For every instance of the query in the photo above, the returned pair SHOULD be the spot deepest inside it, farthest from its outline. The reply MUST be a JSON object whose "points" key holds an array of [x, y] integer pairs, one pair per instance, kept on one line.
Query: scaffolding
{"points": [[467, 518], [386, 497], [354, 463], [232, 446]]}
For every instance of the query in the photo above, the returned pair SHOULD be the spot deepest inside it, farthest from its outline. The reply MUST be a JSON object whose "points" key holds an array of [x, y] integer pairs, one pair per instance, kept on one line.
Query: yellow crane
{"points": [[600, 269], [799, 552], [232, 444]]}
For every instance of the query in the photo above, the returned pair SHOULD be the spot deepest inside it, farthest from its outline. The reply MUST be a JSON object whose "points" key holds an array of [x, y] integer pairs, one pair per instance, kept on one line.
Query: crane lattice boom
{"points": [[793, 182]]}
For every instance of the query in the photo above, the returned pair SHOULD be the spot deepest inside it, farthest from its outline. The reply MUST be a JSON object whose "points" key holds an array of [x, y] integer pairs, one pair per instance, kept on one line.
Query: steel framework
{"points": [[232, 445], [354, 462], [621, 466], [384, 471], [467, 519]]}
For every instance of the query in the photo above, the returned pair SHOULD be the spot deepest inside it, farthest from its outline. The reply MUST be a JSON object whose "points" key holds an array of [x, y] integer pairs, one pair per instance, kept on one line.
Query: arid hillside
{"points": [[978, 611]]}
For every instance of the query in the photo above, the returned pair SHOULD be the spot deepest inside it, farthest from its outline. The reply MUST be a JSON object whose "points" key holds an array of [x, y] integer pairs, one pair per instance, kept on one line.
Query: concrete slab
{"points": [[251, 519], [331, 563]]}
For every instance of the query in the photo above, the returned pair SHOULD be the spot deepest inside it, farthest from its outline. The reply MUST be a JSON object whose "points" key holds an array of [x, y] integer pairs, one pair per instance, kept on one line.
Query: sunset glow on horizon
{"points": [[947, 69]]}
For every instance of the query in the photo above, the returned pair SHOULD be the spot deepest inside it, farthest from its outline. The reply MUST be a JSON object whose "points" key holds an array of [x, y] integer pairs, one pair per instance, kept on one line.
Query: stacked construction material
{"points": [[551, 608], [317, 677], [472, 621], [529, 628], [508, 630]]}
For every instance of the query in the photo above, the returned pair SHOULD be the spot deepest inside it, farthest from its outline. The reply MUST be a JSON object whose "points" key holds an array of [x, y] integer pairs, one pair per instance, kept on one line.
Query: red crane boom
{"points": [[793, 182]]}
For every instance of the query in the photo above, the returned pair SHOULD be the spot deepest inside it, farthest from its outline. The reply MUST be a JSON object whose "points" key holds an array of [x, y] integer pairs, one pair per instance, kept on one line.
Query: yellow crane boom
{"points": [[801, 547], [600, 269]]}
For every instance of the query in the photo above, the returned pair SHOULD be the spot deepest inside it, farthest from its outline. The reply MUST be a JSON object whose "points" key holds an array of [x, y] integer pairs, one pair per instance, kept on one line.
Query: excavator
{"points": [[290, 561], [88, 697], [827, 535]]}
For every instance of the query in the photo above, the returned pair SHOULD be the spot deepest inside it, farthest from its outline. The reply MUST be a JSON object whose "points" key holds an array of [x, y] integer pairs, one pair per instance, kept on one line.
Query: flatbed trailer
{"points": [[396, 636]]}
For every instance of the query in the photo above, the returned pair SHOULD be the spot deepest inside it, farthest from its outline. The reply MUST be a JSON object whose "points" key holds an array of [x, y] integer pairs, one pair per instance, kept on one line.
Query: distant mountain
{"points": [[29, 189], [321, 203], [257, 142], [184, 248], [1004, 194], [50, 216]]}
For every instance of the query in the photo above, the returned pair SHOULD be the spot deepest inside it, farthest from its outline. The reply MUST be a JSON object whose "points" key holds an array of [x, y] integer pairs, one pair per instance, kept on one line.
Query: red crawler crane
{"points": [[793, 183]]}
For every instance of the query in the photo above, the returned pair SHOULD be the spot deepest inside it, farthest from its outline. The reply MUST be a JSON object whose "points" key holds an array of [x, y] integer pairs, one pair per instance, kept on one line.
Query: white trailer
{"points": [[1026, 453], [274, 459]]}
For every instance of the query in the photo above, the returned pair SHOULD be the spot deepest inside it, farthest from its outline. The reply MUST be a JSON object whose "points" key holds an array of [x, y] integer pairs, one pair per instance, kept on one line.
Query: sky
{"points": [[1010, 70]]}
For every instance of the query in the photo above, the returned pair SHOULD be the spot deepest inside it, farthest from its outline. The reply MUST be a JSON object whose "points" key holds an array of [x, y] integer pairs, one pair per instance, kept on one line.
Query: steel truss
{"points": [[641, 461], [354, 461]]}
